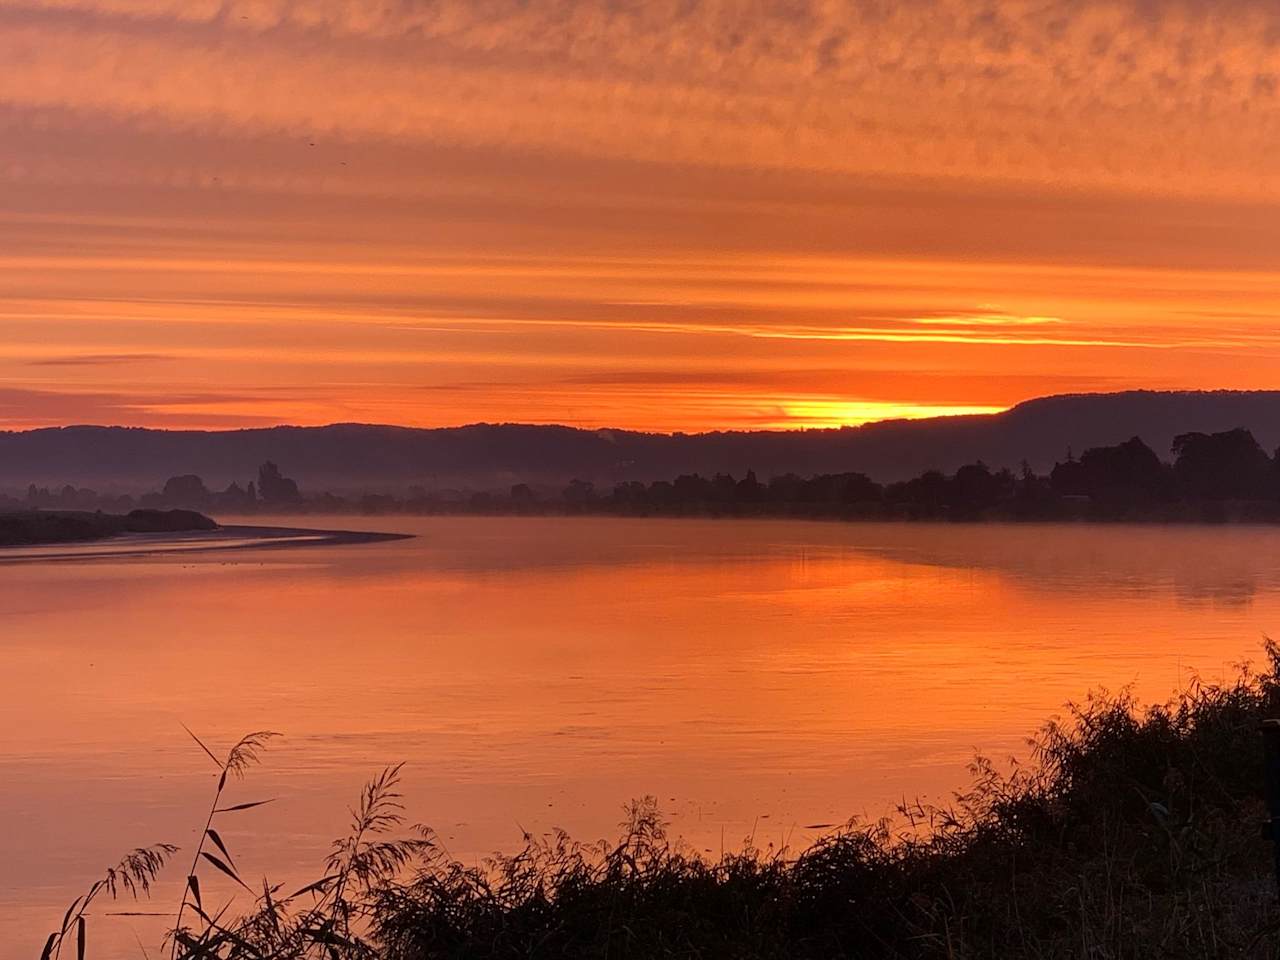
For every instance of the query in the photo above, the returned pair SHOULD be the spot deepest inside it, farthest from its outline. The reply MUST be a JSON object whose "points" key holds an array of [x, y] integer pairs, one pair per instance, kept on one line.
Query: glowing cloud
{"points": [[309, 210]]}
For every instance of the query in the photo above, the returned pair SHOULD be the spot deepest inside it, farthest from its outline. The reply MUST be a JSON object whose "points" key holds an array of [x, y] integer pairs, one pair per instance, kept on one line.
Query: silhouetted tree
{"points": [[630, 493], [859, 488], [724, 488], [925, 496], [276, 489], [579, 493], [1033, 496], [689, 488], [235, 497], [975, 488], [786, 488], [662, 493], [750, 489], [187, 489], [1127, 472], [1222, 466], [841, 488]]}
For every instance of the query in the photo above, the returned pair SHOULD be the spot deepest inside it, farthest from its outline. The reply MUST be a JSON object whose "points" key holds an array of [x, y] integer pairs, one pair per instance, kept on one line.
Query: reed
{"points": [[1131, 833]]}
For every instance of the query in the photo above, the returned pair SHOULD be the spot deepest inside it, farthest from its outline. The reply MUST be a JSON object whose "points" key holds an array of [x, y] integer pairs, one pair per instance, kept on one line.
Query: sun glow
{"points": [[844, 413], [437, 214]]}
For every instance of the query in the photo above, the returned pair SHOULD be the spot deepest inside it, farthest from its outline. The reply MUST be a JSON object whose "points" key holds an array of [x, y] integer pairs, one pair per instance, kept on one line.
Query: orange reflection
{"points": [[545, 671]]}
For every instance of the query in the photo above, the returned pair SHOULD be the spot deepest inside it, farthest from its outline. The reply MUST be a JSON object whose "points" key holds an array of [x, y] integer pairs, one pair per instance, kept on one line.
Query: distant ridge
{"points": [[346, 457]]}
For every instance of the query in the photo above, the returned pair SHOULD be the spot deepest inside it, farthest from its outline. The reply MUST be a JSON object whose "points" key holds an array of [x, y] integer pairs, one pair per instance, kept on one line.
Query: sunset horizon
{"points": [[866, 417], [599, 478], [660, 217]]}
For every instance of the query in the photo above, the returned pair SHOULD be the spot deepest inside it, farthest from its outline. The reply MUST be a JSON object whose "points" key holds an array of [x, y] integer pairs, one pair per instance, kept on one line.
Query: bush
{"points": [[1132, 834]]}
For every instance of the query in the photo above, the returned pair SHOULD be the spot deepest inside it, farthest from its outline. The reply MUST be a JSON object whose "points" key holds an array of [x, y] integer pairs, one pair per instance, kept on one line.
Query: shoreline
{"points": [[231, 537], [1171, 519]]}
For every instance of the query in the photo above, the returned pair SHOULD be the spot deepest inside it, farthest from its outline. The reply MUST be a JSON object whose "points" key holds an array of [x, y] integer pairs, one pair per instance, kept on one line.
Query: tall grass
{"points": [[1132, 833]]}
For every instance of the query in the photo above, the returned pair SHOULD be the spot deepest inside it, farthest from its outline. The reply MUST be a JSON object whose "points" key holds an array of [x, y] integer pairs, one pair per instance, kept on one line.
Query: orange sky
{"points": [[660, 215]]}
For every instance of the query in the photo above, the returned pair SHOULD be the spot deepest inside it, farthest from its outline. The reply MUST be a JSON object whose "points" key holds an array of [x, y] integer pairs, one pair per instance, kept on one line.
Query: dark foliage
{"points": [[43, 527], [1127, 473], [1132, 835], [1218, 476], [276, 489], [1223, 466]]}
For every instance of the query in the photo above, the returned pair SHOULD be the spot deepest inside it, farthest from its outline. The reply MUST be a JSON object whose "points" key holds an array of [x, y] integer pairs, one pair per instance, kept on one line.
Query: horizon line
{"points": [[962, 413]]}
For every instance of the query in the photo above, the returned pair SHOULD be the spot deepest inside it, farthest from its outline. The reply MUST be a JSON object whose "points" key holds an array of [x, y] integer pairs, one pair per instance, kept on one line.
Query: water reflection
{"points": [[762, 675]]}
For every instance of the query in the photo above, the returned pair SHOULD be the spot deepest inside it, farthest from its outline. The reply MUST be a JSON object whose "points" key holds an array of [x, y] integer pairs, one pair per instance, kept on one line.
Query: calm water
{"points": [[759, 678]]}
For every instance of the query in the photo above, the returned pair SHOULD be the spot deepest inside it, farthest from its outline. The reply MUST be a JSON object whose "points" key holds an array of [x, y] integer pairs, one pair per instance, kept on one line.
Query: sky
{"points": [[662, 215]]}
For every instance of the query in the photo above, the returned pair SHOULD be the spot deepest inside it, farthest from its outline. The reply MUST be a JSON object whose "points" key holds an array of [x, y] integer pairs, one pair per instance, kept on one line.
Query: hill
{"points": [[372, 457]]}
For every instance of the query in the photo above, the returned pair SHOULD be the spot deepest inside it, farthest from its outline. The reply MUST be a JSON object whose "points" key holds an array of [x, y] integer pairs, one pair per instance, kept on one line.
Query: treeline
{"points": [[1219, 476], [1211, 476], [272, 491]]}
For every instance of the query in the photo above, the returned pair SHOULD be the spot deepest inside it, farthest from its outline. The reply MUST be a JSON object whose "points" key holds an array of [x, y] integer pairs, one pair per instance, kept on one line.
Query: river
{"points": [[760, 678]]}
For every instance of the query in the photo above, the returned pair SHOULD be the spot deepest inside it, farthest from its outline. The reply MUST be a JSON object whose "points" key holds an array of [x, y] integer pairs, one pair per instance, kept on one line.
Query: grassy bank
{"points": [[1132, 833]]}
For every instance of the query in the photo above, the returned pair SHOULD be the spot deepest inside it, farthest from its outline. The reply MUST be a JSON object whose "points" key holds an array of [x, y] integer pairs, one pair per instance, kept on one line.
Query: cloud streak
{"points": [[1182, 99], [98, 359], [432, 211]]}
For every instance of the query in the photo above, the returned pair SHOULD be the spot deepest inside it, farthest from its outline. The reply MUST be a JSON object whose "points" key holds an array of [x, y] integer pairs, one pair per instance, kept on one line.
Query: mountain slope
{"points": [[356, 456]]}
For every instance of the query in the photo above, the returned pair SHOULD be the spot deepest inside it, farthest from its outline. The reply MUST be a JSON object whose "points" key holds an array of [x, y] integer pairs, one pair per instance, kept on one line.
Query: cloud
{"points": [[24, 408], [1170, 99], [976, 319], [598, 206], [98, 359]]}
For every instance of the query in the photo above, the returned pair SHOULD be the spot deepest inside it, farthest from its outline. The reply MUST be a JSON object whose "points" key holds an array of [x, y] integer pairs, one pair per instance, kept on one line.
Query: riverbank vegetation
{"points": [[1131, 833], [34, 527], [1212, 478]]}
